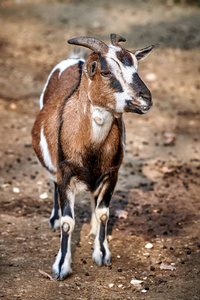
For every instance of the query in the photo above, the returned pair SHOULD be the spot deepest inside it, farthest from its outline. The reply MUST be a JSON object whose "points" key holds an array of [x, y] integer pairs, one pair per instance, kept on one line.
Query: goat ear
{"points": [[91, 69], [143, 53]]}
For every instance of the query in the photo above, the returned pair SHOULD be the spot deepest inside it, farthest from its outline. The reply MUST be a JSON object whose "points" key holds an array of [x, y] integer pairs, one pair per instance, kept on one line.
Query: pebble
{"points": [[144, 291], [166, 267], [119, 270], [136, 282], [44, 196], [16, 190], [5, 185], [148, 246], [111, 285], [13, 106]]}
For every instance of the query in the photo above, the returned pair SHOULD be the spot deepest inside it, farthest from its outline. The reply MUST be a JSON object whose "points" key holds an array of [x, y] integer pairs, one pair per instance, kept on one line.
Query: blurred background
{"points": [[159, 182]]}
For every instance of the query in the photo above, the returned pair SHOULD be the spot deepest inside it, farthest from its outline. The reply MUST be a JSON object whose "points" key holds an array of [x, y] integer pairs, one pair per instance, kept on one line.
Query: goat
{"points": [[79, 135]]}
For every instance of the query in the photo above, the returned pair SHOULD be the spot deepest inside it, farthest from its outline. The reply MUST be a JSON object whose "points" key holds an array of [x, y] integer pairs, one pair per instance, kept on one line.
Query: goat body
{"points": [[78, 135]]}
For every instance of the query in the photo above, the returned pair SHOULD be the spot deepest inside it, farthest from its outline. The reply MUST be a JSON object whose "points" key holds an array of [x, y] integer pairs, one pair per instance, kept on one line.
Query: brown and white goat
{"points": [[78, 135]]}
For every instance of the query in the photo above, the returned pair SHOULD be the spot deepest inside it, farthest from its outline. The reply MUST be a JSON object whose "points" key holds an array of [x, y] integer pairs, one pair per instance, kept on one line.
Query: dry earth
{"points": [[159, 185]]}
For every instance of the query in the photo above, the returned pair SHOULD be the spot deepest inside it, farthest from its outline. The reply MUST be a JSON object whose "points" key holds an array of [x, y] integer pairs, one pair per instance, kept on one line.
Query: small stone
{"points": [[111, 285], [152, 269], [44, 196], [13, 106], [136, 282], [78, 283], [16, 190], [9, 151], [84, 262], [119, 270], [164, 266], [5, 185], [144, 291], [87, 274], [148, 246], [189, 252]]}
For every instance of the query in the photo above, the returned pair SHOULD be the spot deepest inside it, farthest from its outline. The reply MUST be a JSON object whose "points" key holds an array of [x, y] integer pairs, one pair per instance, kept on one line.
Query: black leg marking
{"points": [[55, 215], [64, 247], [102, 236], [56, 205]]}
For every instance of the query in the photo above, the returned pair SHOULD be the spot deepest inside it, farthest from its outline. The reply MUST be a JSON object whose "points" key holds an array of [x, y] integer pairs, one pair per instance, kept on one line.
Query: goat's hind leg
{"points": [[62, 264], [54, 221], [93, 230]]}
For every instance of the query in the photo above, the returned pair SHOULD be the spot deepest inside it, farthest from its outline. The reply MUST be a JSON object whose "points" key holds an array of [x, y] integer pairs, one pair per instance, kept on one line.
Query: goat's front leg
{"points": [[101, 254], [62, 265], [54, 220]]}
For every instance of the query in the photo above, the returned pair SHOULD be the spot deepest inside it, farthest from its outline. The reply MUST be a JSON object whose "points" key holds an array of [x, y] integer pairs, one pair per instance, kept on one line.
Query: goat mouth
{"points": [[138, 109]]}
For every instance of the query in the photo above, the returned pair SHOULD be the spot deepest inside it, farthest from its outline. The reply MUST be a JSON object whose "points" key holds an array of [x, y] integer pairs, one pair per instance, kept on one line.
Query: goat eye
{"points": [[106, 74]]}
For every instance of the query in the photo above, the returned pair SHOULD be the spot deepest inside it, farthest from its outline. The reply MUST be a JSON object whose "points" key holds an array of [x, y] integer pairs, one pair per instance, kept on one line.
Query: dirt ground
{"points": [[159, 182]]}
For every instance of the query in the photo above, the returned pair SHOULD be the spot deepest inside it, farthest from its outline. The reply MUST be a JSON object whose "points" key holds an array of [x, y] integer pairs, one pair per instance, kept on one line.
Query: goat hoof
{"points": [[99, 259], [106, 261]]}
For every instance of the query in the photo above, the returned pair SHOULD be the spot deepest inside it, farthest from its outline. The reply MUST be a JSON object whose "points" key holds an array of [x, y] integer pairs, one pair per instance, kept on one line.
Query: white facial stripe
{"points": [[114, 48], [45, 151], [122, 73], [63, 65]]}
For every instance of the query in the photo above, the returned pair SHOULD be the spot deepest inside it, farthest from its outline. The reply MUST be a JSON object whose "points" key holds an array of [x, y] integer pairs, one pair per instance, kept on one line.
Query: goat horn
{"points": [[115, 39], [89, 42]]}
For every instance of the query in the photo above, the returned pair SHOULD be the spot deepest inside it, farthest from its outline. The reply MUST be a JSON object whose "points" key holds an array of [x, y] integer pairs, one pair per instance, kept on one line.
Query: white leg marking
{"points": [[101, 256], [66, 265], [94, 225], [62, 265]]}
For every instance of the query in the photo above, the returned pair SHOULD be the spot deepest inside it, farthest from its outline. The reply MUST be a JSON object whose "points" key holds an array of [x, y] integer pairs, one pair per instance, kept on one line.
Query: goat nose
{"points": [[146, 95]]}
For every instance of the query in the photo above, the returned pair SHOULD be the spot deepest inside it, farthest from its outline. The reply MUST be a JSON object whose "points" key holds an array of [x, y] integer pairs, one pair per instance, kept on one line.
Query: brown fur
{"points": [[56, 91], [75, 135]]}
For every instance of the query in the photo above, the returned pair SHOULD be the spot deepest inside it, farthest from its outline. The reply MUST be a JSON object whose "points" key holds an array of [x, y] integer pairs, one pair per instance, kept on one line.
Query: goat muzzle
{"points": [[131, 106]]}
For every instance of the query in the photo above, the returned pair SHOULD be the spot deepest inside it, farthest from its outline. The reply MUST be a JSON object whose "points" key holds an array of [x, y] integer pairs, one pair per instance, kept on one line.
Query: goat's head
{"points": [[113, 78]]}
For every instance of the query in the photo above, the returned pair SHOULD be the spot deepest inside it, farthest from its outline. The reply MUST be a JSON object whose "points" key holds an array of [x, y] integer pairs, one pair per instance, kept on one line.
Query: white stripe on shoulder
{"points": [[45, 151], [63, 65]]}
